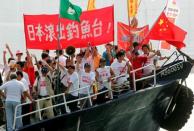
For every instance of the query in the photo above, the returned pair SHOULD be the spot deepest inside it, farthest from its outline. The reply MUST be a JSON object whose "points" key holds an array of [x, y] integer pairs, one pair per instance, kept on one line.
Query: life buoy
{"points": [[181, 111]]}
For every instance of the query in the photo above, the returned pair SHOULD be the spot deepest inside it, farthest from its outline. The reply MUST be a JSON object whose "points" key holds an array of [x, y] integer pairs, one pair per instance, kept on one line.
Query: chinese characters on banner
{"points": [[127, 35], [172, 12], [96, 27]]}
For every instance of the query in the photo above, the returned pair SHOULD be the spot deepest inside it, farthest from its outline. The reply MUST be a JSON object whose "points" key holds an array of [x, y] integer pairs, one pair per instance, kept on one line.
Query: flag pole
{"points": [[129, 21], [58, 48]]}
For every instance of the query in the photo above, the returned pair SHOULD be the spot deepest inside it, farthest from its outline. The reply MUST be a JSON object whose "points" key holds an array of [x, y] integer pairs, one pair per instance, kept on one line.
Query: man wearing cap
{"points": [[19, 55], [43, 89]]}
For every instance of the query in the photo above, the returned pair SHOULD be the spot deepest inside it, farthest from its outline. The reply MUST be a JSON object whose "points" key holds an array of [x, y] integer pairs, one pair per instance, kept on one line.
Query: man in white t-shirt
{"points": [[87, 79], [121, 69], [20, 67], [14, 90], [43, 89], [25, 108], [72, 84], [103, 76]]}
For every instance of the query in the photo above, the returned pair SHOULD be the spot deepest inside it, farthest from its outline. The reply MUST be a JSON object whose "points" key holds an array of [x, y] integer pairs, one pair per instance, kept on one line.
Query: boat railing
{"points": [[89, 95], [38, 110], [174, 53], [145, 77]]}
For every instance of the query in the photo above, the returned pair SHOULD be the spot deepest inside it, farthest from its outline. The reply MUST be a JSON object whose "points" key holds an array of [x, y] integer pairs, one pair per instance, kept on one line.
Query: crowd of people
{"points": [[30, 79]]}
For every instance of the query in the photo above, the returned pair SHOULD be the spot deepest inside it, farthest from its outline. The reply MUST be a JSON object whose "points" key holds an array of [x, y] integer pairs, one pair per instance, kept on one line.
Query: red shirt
{"points": [[31, 73], [138, 63]]}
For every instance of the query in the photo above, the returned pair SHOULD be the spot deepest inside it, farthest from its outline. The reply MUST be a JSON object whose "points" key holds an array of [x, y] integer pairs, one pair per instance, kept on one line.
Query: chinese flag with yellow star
{"points": [[163, 29]]}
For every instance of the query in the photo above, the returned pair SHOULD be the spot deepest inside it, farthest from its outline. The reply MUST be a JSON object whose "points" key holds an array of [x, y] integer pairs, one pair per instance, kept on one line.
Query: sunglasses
{"points": [[72, 67]]}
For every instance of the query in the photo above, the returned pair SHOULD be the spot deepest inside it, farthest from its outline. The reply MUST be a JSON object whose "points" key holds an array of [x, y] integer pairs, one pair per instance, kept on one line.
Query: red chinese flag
{"points": [[165, 45], [163, 29]]}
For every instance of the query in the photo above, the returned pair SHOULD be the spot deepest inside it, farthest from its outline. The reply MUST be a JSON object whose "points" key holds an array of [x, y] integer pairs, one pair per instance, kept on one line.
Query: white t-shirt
{"points": [[26, 77], [104, 75], [86, 80], [62, 60], [26, 86], [74, 79], [13, 90], [148, 70], [120, 69], [42, 85]]}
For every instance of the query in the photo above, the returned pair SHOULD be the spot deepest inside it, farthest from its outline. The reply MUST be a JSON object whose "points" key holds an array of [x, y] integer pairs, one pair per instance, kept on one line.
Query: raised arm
{"points": [[4, 57], [9, 50], [29, 59], [36, 61]]}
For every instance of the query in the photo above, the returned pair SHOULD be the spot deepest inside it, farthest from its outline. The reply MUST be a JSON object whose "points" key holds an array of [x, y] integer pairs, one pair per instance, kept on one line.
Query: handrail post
{"points": [[134, 81], [65, 101], [39, 112], [110, 90], [154, 76], [90, 99], [15, 117]]}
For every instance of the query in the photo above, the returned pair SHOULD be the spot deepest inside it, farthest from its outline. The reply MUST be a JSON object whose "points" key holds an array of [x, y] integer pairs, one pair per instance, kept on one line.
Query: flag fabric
{"points": [[163, 29], [165, 45], [96, 27], [128, 35], [172, 11], [132, 7], [91, 5], [69, 10]]}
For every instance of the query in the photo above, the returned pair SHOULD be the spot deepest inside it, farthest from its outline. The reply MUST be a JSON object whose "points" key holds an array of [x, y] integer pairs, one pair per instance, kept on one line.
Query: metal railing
{"points": [[144, 78], [89, 96], [174, 53]]}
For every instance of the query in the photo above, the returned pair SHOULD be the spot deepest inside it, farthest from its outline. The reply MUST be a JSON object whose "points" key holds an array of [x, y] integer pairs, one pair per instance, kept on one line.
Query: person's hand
{"points": [[167, 58], [27, 52], [158, 53], [6, 46]]}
